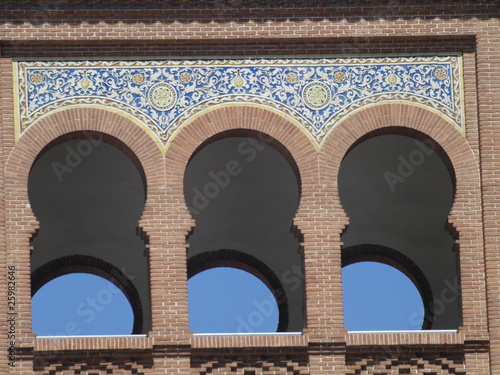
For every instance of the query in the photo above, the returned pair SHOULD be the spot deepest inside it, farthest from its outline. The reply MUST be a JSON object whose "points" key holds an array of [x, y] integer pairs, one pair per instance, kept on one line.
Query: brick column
{"points": [[488, 71], [19, 227], [322, 220], [6, 119]]}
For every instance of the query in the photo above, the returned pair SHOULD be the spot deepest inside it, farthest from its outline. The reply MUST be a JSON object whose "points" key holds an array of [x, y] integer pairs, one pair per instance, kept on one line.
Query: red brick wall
{"points": [[6, 111], [488, 44], [238, 28]]}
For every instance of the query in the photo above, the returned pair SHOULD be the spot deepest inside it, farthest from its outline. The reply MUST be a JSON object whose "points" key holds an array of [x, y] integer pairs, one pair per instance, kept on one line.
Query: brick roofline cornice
{"points": [[56, 6]]}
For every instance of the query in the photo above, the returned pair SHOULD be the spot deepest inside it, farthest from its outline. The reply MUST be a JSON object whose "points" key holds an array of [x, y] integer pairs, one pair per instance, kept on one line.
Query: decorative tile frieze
{"points": [[314, 93]]}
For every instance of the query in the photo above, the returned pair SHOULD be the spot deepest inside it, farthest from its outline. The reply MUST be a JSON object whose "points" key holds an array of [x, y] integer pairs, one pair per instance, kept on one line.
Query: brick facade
{"points": [[139, 29]]}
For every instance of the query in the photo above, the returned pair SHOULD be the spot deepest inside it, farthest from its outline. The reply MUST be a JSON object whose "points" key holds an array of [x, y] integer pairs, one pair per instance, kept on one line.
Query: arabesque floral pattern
{"points": [[315, 93]]}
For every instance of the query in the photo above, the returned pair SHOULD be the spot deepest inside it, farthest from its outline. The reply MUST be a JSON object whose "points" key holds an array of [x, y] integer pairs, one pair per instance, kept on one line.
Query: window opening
{"points": [[81, 304], [230, 300], [378, 297], [243, 194], [88, 196], [398, 192]]}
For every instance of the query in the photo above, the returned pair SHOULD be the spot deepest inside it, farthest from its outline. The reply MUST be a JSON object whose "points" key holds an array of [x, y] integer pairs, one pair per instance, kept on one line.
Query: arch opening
{"points": [[243, 303], [237, 260], [243, 189], [88, 191], [398, 188], [383, 299], [96, 307]]}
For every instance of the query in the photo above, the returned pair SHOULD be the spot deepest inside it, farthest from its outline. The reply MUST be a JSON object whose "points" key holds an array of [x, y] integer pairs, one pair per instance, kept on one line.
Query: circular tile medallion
{"points": [[316, 95], [162, 96]]}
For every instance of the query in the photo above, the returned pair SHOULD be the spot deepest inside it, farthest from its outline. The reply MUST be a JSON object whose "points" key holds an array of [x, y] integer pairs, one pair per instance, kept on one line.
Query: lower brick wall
{"points": [[383, 360], [251, 362], [54, 363], [395, 360]]}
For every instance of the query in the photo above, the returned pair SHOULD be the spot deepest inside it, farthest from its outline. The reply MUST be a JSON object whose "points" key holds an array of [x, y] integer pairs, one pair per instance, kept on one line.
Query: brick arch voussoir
{"points": [[413, 118], [246, 118], [393, 116], [71, 120]]}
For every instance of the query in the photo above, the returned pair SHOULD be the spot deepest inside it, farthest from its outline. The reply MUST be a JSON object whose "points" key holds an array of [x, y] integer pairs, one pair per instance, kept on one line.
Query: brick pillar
{"points": [[18, 227], [6, 121], [321, 223], [166, 222], [322, 220], [488, 71]]}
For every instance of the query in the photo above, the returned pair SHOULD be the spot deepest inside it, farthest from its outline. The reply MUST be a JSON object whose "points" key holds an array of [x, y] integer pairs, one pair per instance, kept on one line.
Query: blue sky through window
{"points": [[81, 304], [378, 297], [225, 300], [230, 300]]}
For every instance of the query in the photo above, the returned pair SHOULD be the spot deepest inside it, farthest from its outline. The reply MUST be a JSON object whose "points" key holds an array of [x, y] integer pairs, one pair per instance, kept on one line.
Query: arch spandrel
{"points": [[316, 94]]}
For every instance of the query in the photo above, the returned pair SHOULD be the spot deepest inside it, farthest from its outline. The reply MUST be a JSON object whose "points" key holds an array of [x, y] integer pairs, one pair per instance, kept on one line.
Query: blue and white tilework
{"points": [[315, 93]]}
